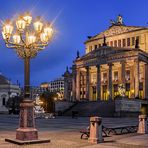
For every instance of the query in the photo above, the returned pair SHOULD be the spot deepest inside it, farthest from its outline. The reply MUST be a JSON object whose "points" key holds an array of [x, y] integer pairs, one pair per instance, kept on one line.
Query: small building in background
{"points": [[7, 90], [56, 86]]}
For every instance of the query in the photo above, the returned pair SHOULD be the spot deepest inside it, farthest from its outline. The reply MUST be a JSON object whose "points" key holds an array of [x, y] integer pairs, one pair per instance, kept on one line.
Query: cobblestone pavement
{"points": [[64, 133]]}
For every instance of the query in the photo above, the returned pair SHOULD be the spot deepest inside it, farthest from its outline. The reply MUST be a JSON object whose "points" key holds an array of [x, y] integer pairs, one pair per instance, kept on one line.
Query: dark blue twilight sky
{"points": [[75, 20]]}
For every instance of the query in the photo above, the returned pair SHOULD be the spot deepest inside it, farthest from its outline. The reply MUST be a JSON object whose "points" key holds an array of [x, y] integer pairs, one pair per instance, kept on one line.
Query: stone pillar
{"points": [[110, 81], [98, 82], [136, 68], [95, 130], [142, 128], [87, 83], [73, 84], [123, 72], [78, 84], [145, 81]]}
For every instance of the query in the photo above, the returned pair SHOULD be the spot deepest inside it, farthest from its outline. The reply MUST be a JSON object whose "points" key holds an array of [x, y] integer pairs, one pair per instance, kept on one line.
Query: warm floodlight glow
{"points": [[7, 29], [4, 36], [31, 39], [16, 38], [28, 18], [48, 30], [38, 25], [20, 24], [28, 37], [44, 37]]}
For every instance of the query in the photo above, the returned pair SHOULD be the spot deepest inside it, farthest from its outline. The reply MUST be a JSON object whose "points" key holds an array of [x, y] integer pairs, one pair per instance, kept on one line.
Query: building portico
{"points": [[100, 72]]}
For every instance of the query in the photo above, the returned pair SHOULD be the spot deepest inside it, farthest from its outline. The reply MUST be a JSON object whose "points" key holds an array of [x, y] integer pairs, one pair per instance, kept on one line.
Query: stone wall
{"points": [[61, 106], [126, 107]]}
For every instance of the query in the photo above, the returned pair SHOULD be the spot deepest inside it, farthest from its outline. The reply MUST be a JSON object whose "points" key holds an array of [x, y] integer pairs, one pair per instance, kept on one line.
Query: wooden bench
{"points": [[86, 132]]}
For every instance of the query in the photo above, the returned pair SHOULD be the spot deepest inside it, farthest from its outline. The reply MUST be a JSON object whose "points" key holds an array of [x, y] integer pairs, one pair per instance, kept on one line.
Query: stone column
{"points": [[110, 81], [123, 72], [98, 82], [136, 68], [73, 84], [87, 83], [145, 81], [77, 84]]}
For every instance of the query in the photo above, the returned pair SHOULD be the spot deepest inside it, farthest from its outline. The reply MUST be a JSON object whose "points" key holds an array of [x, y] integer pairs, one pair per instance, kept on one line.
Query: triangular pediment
{"points": [[116, 30]]}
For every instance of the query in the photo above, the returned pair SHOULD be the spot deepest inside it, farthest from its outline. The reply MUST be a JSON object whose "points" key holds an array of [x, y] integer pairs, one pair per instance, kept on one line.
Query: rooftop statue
{"points": [[118, 22]]}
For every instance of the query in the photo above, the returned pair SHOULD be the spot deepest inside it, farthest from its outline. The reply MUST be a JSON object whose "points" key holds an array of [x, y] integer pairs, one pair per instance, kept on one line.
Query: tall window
{"points": [[119, 43], [99, 45], [115, 43], [128, 41], [137, 38], [116, 76], [127, 76], [104, 77], [133, 41], [124, 42], [4, 101], [111, 43], [96, 46], [90, 48]]}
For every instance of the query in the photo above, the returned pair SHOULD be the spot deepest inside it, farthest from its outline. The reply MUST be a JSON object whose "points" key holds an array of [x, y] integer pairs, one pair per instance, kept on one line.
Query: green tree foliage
{"points": [[13, 104], [48, 101]]}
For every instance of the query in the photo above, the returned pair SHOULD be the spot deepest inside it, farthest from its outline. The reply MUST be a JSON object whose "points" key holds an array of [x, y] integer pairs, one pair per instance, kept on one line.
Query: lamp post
{"points": [[27, 36]]}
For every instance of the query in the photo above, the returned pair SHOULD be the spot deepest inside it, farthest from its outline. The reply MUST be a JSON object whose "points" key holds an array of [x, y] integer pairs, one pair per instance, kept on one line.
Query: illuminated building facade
{"points": [[56, 86], [119, 55]]}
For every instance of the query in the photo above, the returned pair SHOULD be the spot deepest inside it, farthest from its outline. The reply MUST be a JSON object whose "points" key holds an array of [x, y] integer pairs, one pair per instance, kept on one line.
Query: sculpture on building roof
{"points": [[78, 54], [104, 41], [118, 22]]}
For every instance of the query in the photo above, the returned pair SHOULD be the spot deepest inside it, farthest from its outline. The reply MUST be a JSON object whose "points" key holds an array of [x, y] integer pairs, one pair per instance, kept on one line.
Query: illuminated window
{"points": [[128, 41], [90, 48], [115, 43], [137, 38], [124, 42], [115, 75], [127, 76], [133, 41], [119, 43], [111, 43], [104, 77]]}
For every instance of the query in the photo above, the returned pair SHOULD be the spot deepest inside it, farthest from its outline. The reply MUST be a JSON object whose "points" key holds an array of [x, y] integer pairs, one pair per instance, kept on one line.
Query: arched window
{"points": [[3, 101]]}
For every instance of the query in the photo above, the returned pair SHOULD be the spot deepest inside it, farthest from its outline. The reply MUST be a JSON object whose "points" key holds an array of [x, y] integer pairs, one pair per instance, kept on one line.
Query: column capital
{"points": [[98, 66], [110, 64], [136, 60], [87, 67], [123, 62]]}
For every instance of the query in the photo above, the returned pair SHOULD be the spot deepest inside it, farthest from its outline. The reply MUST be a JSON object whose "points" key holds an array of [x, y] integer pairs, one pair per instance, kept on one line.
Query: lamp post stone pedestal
{"points": [[27, 130]]}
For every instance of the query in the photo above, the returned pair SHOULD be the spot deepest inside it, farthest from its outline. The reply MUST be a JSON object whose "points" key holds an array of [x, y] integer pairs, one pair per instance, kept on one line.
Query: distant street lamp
{"points": [[27, 36]]}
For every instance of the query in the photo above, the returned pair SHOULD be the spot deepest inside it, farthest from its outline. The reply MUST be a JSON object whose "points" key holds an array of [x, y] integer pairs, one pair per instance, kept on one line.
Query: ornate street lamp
{"points": [[27, 36]]}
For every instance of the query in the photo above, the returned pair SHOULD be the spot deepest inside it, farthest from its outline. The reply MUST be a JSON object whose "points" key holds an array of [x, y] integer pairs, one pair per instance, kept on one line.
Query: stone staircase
{"points": [[93, 108]]}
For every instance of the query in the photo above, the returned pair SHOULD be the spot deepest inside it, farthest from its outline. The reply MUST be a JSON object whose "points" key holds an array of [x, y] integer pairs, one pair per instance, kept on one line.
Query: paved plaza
{"points": [[64, 133]]}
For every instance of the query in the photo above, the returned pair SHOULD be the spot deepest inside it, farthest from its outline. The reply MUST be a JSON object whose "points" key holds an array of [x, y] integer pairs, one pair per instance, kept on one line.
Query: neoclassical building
{"points": [[118, 55], [7, 90]]}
